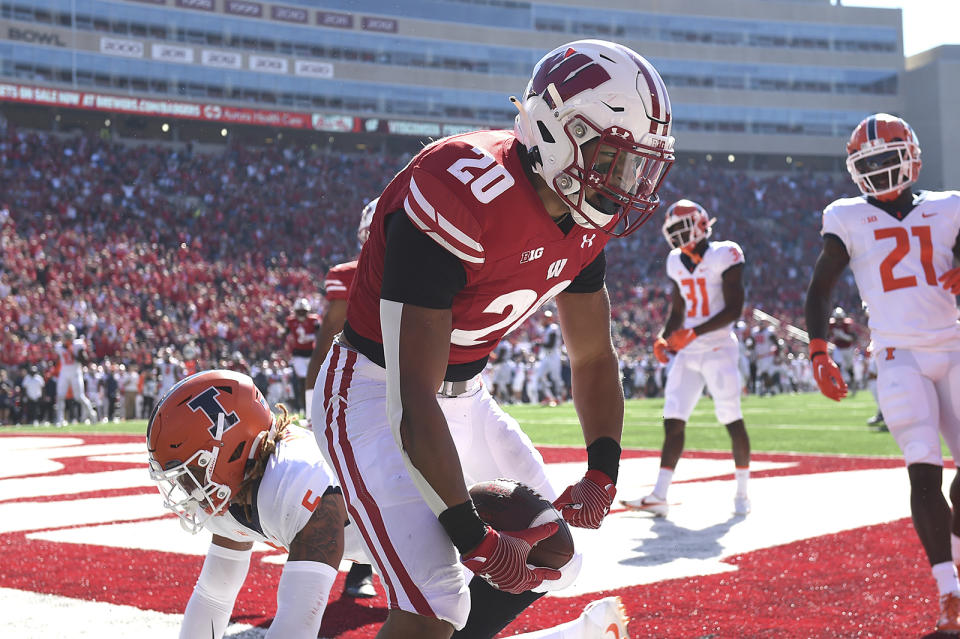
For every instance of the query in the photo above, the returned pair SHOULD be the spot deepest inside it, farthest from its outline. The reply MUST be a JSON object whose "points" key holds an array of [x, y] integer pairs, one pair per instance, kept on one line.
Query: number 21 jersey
{"points": [[896, 263]]}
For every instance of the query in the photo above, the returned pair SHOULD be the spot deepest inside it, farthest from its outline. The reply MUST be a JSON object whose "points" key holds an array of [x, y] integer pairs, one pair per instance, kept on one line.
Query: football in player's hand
{"points": [[508, 505]]}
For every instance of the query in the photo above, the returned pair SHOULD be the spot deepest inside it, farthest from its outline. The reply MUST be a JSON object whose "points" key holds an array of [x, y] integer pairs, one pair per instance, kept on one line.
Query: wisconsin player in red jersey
{"points": [[467, 242], [336, 288], [359, 581], [707, 299], [301, 333], [903, 248], [842, 334]]}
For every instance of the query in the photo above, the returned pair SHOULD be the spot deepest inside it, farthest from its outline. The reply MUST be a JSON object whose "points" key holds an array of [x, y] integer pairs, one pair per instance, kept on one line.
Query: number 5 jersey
{"points": [[896, 263]]}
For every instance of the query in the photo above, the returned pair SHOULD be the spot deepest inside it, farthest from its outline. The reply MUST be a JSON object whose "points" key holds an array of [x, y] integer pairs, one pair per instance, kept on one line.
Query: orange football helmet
{"points": [[883, 155], [200, 438], [686, 223]]}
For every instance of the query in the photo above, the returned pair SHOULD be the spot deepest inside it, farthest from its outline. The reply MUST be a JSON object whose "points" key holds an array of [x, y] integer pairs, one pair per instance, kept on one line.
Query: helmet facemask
{"points": [[191, 499], [686, 230], [883, 167], [188, 488], [612, 183]]}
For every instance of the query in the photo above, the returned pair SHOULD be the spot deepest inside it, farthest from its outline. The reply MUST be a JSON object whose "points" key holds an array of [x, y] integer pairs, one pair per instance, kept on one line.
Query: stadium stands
{"points": [[144, 247]]}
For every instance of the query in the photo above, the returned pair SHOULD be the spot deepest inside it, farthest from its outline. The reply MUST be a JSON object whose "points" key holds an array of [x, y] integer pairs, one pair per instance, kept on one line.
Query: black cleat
{"points": [[359, 582]]}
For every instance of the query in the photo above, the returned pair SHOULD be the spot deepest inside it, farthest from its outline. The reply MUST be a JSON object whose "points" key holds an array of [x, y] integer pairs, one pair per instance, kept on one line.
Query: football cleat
{"points": [[876, 420], [608, 616], [949, 613], [651, 503], [741, 505], [359, 582]]}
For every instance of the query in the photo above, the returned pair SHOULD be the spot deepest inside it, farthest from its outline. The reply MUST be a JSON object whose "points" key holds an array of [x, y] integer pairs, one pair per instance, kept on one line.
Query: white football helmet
{"points": [[686, 224], [883, 155], [366, 218], [593, 90], [301, 306], [70, 333]]}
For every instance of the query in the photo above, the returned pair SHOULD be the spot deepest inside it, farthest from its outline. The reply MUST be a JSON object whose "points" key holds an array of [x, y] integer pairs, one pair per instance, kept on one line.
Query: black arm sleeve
{"points": [[591, 278], [416, 269]]}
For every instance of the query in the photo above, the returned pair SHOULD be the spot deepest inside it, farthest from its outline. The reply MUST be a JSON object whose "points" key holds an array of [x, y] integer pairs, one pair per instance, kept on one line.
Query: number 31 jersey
{"points": [[702, 290], [896, 264], [470, 194]]}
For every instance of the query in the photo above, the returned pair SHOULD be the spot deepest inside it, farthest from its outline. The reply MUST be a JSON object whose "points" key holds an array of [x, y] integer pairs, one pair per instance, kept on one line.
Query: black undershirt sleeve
{"points": [[591, 278], [417, 270]]}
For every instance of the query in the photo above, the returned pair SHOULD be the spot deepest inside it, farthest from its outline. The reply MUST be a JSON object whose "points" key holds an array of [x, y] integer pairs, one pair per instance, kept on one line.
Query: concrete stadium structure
{"points": [[755, 84]]}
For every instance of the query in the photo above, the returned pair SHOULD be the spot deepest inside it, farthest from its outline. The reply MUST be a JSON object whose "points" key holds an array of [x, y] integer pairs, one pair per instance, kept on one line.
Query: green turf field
{"points": [[806, 423]]}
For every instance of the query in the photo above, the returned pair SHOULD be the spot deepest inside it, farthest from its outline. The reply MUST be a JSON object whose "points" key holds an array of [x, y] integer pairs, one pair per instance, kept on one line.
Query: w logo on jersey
{"points": [[570, 73], [208, 403], [554, 269]]}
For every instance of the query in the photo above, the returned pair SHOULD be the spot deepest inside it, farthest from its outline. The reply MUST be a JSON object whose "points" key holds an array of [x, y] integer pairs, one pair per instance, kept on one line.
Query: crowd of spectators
{"points": [[144, 247]]}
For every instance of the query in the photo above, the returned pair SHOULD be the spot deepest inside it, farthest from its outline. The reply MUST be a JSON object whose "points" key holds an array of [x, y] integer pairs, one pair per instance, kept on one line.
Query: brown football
{"points": [[506, 504]]}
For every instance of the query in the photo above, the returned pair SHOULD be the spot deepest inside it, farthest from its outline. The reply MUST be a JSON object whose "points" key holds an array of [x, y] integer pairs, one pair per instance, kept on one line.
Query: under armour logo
{"points": [[620, 133], [890, 353], [587, 240]]}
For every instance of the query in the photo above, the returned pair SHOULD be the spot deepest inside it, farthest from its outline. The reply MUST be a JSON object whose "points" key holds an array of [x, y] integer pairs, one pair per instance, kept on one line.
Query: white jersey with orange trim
{"points": [[67, 353], [702, 289], [294, 480], [896, 264]]}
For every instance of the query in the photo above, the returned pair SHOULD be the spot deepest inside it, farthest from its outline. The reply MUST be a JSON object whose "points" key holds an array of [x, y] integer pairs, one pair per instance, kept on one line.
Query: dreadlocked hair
{"points": [[266, 447]]}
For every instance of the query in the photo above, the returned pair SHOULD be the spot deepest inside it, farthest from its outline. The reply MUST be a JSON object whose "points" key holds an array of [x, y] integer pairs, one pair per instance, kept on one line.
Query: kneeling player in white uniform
{"points": [[902, 248], [224, 462], [707, 300]]}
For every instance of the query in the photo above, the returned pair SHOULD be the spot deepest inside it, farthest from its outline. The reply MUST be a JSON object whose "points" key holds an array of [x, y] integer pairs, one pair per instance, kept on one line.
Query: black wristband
{"points": [[463, 525], [604, 455]]}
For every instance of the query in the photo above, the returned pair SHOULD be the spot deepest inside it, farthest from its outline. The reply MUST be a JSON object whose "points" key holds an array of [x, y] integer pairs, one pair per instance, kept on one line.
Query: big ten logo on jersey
{"points": [[529, 256]]}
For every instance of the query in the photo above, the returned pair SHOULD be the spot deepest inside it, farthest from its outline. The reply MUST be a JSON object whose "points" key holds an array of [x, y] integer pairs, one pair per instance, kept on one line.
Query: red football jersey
{"points": [[470, 194], [339, 278], [302, 333], [842, 333]]}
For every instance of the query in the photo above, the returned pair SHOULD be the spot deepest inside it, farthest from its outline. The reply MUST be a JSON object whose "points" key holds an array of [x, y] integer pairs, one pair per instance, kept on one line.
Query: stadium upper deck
{"points": [[786, 81]]}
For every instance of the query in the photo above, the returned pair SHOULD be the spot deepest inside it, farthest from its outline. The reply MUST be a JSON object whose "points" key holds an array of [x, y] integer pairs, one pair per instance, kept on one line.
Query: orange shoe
{"points": [[949, 613]]}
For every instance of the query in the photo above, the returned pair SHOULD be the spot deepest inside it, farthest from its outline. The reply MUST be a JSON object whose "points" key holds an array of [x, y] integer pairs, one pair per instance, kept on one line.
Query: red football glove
{"points": [[951, 280], [588, 501], [680, 338], [501, 559], [825, 371], [660, 350]]}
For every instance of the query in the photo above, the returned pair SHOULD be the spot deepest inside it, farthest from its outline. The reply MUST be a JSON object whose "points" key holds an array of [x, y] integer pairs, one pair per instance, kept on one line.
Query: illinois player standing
{"points": [[707, 299], [902, 248], [301, 333], [72, 355], [468, 241]]}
